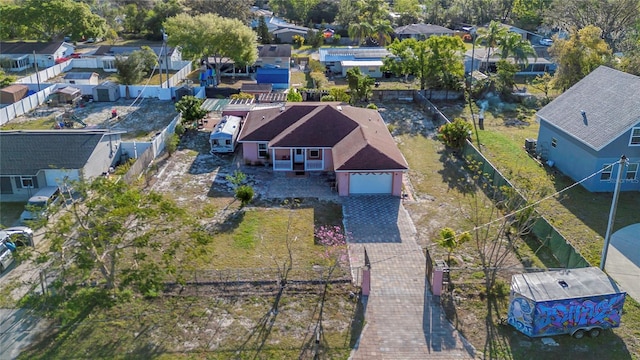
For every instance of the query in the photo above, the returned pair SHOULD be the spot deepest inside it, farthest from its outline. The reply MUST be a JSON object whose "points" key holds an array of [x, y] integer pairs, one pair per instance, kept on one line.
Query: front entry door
{"points": [[299, 156]]}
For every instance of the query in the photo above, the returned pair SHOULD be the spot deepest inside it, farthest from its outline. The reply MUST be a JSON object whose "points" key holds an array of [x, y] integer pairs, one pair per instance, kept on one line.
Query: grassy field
{"points": [[576, 213]]}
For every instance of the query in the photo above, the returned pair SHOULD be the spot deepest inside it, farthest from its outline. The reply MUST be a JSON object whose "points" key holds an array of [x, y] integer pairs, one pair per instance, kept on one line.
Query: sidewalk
{"points": [[403, 319]]}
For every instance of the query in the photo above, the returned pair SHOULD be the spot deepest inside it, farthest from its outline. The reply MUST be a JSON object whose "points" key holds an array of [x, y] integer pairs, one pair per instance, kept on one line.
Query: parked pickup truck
{"points": [[576, 302]]}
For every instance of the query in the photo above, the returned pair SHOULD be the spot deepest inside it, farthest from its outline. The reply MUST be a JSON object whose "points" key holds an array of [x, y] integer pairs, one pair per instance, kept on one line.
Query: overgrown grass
{"points": [[35, 124], [257, 238]]}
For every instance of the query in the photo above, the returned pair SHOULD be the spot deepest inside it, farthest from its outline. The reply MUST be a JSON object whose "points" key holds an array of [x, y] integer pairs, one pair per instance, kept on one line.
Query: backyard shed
{"points": [[65, 95], [82, 78], [13, 93], [107, 91]]}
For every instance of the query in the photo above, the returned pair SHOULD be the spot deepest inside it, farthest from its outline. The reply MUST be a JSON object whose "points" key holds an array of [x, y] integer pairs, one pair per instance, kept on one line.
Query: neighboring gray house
{"points": [[590, 126], [106, 56], [34, 159], [421, 31], [535, 65], [23, 55]]}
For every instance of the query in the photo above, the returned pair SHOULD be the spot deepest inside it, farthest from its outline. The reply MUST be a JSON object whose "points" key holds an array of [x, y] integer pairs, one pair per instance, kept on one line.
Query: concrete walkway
{"points": [[623, 259], [403, 319]]}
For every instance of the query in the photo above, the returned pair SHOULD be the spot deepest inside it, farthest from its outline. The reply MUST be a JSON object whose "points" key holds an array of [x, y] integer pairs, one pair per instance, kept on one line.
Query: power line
{"points": [[502, 217]]}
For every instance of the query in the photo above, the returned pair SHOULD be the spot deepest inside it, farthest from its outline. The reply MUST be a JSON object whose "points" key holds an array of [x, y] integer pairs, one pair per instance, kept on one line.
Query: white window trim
{"points": [[634, 172], [265, 149], [26, 178], [606, 169], [637, 136], [314, 157]]}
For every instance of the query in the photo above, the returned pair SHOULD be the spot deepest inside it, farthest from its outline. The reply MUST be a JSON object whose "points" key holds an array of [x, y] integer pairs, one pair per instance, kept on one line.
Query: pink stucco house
{"points": [[352, 142]]}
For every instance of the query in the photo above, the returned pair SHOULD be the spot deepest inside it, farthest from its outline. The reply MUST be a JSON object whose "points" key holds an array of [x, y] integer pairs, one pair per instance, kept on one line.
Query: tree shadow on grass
{"points": [[71, 335], [255, 341], [455, 173]]}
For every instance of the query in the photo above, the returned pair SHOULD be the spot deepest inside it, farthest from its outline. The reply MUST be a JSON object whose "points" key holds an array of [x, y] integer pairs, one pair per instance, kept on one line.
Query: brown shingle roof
{"points": [[358, 137]]}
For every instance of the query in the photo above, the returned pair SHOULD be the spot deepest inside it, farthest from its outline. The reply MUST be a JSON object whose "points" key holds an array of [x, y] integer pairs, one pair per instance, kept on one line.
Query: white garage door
{"points": [[370, 183]]}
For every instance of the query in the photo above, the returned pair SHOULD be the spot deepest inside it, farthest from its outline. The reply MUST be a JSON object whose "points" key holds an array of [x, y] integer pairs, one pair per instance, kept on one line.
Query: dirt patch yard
{"points": [[141, 119]]}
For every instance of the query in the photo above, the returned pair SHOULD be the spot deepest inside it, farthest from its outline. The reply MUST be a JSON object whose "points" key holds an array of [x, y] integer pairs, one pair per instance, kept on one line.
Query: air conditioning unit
{"points": [[530, 145]]}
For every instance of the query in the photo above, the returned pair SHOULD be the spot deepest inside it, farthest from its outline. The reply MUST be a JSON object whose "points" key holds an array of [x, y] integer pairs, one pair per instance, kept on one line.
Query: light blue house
{"points": [[590, 126], [368, 59]]}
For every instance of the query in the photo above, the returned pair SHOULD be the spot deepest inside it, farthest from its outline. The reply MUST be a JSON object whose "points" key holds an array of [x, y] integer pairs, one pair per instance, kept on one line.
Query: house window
{"points": [[262, 150], [26, 182], [108, 64], [214, 142], [554, 142], [227, 142], [606, 172], [314, 154], [72, 81], [278, 60], [632, 171], [372, 69], [635, 137]]}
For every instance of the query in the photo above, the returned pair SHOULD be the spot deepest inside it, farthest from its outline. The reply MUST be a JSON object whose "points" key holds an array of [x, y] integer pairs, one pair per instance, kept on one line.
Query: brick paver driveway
{"points": [[403, 319]]}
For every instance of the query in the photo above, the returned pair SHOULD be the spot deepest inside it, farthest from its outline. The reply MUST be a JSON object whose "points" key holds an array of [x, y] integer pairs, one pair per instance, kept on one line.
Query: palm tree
{"points": [[512, 44], [382, 31], [490, 37], [360, 31]]}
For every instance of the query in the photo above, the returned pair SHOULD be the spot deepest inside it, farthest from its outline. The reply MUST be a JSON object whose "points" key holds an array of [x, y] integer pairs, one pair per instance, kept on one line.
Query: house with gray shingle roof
{"points": [[106, 56], [351, 142], [421, 31], [22, 55], [34, 159], [590, 126]]}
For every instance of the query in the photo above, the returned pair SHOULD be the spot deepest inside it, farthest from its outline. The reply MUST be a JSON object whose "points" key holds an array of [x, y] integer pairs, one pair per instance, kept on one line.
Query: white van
{"points": [[38, 205]]}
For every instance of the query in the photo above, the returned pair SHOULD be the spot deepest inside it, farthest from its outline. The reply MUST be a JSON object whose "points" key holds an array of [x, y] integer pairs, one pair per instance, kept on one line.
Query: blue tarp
{"points": [[279, 78]]}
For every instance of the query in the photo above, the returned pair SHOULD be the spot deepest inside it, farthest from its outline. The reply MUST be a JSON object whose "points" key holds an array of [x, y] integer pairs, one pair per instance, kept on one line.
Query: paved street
{"points": [[403, 319]]}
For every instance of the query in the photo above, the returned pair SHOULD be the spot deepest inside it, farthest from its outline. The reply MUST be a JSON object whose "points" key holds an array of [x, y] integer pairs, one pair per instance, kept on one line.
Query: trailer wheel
{"points": [[594, 333], [579, 334]]}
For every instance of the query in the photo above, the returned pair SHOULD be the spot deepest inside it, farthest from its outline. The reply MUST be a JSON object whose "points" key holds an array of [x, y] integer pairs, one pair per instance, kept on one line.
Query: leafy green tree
{"points": [[157, 16], [6, 80], [436, 61], [323, 12], [242, 95], [122, 235], [245, 194], [264, 36], [172, 144], [490, 37], [190, 107], [577, 56], [528, 14], [348, 13], [294, 96], [359, 32], [371, 11], [314, 38], [382, 31], [360, 84], [339, 94], [409, 11], [233, 9], [208, 35], [455, 133], [543, 83], [133, 68], [513, 45], [294, 10], [505, 77], [134, 18], [53, 20], [614, 18], [451, 241]]}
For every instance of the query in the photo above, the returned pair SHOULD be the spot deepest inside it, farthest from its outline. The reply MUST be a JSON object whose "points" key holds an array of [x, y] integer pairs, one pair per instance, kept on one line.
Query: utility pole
{"points": [[35, 63], [612, 213], [166, 51]]}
